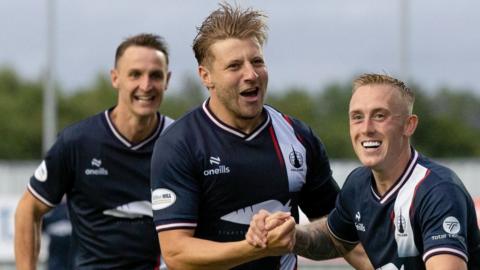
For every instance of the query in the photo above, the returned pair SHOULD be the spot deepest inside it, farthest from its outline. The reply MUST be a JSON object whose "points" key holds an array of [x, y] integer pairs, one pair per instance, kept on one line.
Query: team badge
{"points": [[296, 159], [401, 224]]}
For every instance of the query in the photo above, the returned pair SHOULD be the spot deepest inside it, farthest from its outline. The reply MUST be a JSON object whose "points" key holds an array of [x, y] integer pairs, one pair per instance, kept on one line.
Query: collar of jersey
{"points": [[127, 143], [233, 130], [400, 182]]}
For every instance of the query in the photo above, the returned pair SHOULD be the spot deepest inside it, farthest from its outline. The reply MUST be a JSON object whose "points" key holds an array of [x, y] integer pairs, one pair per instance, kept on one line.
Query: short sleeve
{"points": [[51, 179], [318, 195], [443, 220], [340, 222], [175, 189]]}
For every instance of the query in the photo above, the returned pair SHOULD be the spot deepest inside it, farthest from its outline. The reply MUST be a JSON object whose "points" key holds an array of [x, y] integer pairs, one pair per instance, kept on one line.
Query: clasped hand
{"points": [[273, 232]]}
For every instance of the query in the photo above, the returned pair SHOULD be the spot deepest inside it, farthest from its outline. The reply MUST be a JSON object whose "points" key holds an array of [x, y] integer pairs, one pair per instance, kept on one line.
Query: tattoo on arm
{"points": [[314, 241]]}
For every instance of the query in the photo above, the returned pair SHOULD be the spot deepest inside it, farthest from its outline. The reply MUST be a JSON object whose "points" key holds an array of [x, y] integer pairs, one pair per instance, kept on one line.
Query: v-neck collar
{"points": [[126, 142], [232, 130], [399, 183]]}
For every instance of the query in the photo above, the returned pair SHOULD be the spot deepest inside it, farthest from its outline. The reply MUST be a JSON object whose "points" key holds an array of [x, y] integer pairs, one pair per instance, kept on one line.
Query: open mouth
{"points": [[250, 92], [144, 98], [371, 144]]}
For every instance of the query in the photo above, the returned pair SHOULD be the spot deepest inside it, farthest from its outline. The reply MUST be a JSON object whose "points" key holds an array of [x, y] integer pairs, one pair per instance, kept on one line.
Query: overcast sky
{"points": [[311, 42]]}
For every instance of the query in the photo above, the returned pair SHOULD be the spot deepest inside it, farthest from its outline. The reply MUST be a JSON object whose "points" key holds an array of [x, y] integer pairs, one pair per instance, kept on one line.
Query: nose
{"points": [[250, 72], [368, 126], [145, 83]]}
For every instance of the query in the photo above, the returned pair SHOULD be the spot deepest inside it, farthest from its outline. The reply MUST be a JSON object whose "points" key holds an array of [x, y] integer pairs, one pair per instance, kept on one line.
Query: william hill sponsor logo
{"points": [[219, 170]]}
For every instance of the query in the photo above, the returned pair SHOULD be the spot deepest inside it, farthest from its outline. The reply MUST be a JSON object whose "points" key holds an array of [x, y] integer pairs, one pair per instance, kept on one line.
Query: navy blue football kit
{"points": [[427, 212], [212, 178], [107, 182]]}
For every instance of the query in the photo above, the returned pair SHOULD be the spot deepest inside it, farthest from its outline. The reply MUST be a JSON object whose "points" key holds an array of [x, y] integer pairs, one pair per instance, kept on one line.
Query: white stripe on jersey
{"points": [[293, 151]]}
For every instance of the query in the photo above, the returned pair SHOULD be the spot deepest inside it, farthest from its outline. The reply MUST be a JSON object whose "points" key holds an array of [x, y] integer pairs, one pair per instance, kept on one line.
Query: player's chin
{"points": [[145, 111]]}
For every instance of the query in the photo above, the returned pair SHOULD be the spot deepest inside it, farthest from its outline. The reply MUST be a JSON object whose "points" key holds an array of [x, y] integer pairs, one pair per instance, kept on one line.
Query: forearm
{"points": [[27, 238], [194, 253], [314, 241], [28, 227]]}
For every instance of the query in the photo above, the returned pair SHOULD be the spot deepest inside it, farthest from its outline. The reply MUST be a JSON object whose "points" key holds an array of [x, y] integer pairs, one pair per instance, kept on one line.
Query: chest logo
{"points": [[401, 224], [219, 168], [97, 168], [296, 159], [358, 224], [214, 160]]}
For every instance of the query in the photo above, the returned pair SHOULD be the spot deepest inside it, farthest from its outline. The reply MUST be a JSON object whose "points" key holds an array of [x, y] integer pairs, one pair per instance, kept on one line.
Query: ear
{"points": [[411, 125], [205, 76], [114, 78], [169, 74]]}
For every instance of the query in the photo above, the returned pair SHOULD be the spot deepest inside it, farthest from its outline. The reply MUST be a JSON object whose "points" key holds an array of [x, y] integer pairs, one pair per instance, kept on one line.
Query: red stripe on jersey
{"points": [[287, 119], [412, 210], [277, 147], [290, 122]]}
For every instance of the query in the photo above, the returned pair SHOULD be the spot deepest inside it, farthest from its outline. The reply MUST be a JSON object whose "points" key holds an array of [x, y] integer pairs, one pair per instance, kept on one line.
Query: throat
{"points": [[134, 129]]}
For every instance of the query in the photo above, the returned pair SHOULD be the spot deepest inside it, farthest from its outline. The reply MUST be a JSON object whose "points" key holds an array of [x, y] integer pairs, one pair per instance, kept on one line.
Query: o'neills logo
{"points": [[99, 171], [221, 169]]}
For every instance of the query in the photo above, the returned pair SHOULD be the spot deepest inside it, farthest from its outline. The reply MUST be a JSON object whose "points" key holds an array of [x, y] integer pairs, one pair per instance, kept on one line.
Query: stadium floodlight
{"points": [[49, 99], [404, 40]]}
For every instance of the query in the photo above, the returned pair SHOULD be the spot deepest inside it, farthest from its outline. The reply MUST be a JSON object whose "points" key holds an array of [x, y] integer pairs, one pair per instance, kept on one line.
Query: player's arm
{"points": [[181, 250], [28, 220], [313, 240], [445, 262]]}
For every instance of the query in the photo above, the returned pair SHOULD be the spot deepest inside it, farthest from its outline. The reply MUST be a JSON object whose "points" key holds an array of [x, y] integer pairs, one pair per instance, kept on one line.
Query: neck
{"points": [[385, 178], [133, 128], [246, 125]]}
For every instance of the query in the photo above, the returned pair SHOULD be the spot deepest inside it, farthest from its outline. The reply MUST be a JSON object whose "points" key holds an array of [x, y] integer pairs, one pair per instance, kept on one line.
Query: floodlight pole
{"points": [[404, 39], [49, 99]]}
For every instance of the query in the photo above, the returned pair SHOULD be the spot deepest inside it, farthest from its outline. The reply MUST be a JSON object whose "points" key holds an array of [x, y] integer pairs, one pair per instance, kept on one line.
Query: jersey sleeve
{"points": [[340, 222], [175, 190], [443, 220], [50, 180], [318, 195]]}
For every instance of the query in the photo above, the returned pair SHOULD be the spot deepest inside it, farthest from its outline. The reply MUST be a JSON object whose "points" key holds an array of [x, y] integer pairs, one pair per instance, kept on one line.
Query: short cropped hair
{"points": [[144, 40], [380, 79], [228, 22]]}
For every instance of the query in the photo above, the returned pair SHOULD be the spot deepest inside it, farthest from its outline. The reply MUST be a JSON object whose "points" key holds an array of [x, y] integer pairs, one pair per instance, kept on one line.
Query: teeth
{"points": [[144, 98], [371, 144]]}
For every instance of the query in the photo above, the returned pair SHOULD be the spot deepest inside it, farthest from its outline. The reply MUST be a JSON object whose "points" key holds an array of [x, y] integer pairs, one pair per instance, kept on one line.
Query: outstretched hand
{"points": [[275, 232]]}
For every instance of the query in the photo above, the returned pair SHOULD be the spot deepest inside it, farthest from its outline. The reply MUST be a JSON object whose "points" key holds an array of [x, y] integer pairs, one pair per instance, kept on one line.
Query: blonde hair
{"points": [[380, 79], [228, 22]]}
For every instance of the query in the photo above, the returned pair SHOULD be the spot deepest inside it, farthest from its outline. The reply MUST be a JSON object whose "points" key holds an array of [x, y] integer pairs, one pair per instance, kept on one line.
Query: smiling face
{"points": [[237, 79], [140, 76], [380, 127]]}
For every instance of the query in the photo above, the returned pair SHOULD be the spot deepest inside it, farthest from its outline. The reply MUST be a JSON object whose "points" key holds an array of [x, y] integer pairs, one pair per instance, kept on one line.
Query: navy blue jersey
{"points": [[106, 179], [56, 225], [212, 178], [427, 212]]}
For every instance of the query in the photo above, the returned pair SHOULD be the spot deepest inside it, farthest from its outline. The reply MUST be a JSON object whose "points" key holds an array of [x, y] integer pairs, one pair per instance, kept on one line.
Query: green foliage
{"points": [[20, 117], [86, 102], [449, 120]]}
